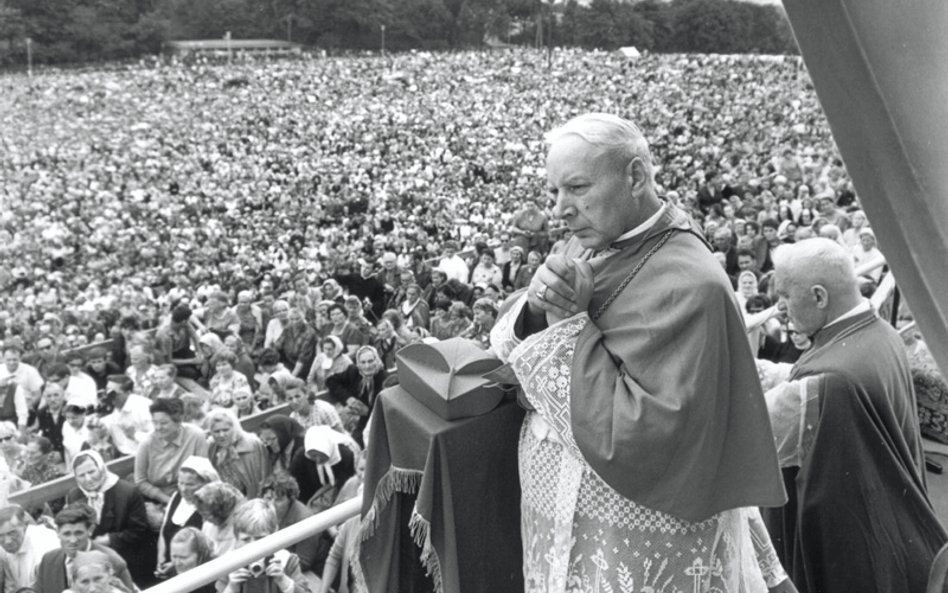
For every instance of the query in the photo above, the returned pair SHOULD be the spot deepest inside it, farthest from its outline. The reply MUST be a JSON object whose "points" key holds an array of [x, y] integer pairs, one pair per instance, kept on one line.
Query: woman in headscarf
{"points": [[323, 465], [120, 510], [239, 457], [216, 502], [182, 510], [746, 287], [209, 344], [330, 360], [357, 389], [283, 437]]}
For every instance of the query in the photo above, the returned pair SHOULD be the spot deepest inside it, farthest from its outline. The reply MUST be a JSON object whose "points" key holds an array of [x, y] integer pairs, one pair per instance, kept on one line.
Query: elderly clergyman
{"points": [[648, 432], [861, 519]]}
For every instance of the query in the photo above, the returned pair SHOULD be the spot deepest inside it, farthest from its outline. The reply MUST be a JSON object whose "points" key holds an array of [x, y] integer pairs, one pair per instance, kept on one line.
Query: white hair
{"points": [[620, 137], [817, 261]]}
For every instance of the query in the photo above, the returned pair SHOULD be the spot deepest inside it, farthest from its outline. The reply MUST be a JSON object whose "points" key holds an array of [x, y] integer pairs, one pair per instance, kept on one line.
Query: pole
{"points": [[29, 57], [289, 27], [229, 52], [383, 40], [549, 45]]}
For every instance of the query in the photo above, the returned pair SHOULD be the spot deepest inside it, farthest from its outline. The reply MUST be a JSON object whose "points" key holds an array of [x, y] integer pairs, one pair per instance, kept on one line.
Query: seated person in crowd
{"points": [[216, 502], [48, 420], [129, 420], [74, 431], [239, 457], [164, 450], [307, 409], [255, 520], [23, 544], [226, 380], [270, 367], [283, 437], [100, 367], [323, 465], [165, 386], [75, 526], [331, 360], [182, 512], [189, 549], [244, 404], [121, 521], [79, 384], [41, 462], [282, 491], [98, 438]]}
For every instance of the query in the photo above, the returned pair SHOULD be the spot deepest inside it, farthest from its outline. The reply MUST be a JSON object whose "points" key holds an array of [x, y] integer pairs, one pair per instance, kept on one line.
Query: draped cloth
{"points": [[578, 533]]}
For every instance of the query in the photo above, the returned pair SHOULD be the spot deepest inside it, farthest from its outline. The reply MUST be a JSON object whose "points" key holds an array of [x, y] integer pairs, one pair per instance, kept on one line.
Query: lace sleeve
{"points": [[767, 559], [503, 338]]}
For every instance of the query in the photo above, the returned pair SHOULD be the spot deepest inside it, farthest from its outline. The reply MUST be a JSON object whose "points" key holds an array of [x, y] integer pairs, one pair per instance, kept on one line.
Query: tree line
{"points": [[91, 30]]}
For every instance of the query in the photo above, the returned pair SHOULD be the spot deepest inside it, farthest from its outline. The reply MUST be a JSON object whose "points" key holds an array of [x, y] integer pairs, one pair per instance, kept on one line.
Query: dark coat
{"points": [[51, 576]]}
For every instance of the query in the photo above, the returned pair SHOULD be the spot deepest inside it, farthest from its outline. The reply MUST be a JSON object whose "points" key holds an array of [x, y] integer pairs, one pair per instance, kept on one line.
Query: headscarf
{"points": [[340, 349], [743, 274], [367, 384], [213, 340], [287, 431], [95, 497], [202, 467], [326, 440]]}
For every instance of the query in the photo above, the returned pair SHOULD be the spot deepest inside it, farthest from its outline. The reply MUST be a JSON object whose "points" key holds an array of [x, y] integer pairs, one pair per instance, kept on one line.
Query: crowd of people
{"points": [[241, 236]]}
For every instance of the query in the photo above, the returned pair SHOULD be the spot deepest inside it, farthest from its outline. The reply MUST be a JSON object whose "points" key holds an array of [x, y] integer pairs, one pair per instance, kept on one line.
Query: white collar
{"points": [[649, 223], [862, 307]]}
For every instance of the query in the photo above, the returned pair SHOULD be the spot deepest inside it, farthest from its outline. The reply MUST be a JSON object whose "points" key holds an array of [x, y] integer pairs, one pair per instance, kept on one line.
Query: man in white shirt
{"points": [[78, 387], [130, 420], [22, 546], [25, 375], [452, 264]]}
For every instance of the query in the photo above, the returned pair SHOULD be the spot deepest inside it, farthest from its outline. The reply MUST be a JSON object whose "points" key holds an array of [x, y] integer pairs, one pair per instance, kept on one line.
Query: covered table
{"points": [[453, 487]]}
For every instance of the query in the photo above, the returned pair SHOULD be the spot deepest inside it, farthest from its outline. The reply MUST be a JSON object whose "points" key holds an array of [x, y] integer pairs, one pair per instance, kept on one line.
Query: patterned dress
{"points": [[580, 535]]}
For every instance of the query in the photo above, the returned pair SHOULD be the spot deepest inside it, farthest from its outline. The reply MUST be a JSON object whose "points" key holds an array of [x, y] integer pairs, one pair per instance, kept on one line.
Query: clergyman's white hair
{"points": [[619, 136], [816, 261]]}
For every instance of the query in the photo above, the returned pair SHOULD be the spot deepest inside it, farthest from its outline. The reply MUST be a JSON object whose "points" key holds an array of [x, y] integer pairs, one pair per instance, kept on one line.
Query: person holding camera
{"points": [[277, 573]]}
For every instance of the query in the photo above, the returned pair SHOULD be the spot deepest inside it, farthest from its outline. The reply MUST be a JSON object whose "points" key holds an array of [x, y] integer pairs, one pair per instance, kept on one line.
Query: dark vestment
{"points": [[861, 520]]}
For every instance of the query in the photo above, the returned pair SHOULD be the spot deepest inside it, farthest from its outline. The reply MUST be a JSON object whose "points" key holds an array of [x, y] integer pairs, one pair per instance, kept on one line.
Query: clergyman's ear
{"points": [[820, 296]]}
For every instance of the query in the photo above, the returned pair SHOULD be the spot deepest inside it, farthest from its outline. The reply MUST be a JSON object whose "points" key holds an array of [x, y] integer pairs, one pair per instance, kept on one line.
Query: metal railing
{"points": [[243, 556]]}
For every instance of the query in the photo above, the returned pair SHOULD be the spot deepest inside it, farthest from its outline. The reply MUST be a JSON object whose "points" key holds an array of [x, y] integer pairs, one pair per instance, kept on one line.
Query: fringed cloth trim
{"points": [[395, 480], [420, 530]]}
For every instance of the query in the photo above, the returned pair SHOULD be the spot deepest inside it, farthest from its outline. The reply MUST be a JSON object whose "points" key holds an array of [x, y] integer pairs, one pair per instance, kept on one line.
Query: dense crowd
{"points": [[265, 233]]}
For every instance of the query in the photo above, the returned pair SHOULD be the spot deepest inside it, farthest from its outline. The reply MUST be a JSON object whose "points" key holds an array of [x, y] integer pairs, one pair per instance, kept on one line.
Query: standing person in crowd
{"points": [[75, 526], [239, 457], [358, 388], [216, 502], [182, 511], [79, 384], [297, 344], [50, 417], [176, 342], [634, 258], [282, 491], [20, 388], [163, 451], [189, 549], [530, 228], [283, 437], [861, 478], [365, 286], [253, 521], [121, 521], [74, 431], [23, 543], [129, 421], [307, 409]]}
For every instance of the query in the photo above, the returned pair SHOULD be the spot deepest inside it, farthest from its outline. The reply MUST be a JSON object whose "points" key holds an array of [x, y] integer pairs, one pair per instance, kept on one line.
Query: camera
{"points": [[259, 568]]}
